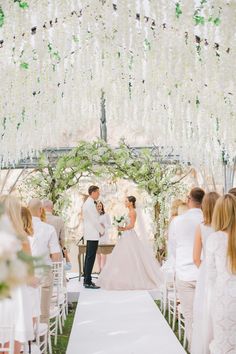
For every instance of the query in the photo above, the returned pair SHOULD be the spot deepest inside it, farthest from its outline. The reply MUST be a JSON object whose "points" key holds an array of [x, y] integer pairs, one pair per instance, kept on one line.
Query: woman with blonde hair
{"points": [[221, 276], [43, 216], [34, 291], [19, 309], [27, 221], [176, 210], [200, 340]]}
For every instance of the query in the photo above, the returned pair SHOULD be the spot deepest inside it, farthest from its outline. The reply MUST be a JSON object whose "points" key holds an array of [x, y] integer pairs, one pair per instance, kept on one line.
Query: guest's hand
{"points": [[121, 228], [33, 282]]}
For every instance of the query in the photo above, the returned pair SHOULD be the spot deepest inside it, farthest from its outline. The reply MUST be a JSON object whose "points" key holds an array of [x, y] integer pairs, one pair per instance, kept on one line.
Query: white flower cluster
{"points": [[167, 80], [13, 271]]}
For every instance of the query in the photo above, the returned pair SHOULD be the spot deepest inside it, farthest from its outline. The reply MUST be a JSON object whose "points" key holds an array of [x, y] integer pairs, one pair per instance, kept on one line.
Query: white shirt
{"points": [[182, 234], [44, 241], [92, 224]]}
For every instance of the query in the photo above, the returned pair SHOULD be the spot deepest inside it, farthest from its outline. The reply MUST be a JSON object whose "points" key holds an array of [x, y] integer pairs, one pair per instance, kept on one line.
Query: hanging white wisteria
{"points": [[167, 69]]}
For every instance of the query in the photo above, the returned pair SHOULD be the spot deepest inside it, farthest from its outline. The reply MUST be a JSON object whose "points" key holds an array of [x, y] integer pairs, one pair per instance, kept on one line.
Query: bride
{"points": [[131, 266]]}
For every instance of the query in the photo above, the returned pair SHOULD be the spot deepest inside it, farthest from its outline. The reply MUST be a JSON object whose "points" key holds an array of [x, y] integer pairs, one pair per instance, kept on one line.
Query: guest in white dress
{"points": [[34, 291], [178, 207], [201, 329], [131, 266], [221, 276], [18, 309], [106, 222]]}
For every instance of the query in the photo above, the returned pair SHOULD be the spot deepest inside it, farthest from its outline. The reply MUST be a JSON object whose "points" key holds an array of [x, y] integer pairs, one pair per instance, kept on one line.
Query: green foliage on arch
{"points": [[147, 168]]}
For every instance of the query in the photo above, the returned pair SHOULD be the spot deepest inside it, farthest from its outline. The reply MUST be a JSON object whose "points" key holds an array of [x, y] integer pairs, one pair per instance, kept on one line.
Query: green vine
{"points": [[178, 10], [22, 4], [201, 20], [2, 17], [24, 65]]}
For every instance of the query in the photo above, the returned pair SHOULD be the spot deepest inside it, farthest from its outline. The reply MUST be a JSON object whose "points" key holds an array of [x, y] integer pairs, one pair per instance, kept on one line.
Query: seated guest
{"points": [[55, 221], [221, 276], [183, 234], [44, 243]]}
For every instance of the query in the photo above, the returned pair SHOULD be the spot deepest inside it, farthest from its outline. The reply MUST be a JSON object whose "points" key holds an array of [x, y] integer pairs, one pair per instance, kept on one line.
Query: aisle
{"points": [[120, 322]]}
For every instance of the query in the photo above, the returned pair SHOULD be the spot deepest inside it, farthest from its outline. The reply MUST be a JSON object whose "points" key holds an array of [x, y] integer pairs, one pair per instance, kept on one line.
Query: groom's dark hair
{"points": [[92, 189]]}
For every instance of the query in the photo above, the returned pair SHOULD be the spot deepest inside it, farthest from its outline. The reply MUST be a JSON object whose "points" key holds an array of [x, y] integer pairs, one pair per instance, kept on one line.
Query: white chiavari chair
{"points": [[181, 326]]}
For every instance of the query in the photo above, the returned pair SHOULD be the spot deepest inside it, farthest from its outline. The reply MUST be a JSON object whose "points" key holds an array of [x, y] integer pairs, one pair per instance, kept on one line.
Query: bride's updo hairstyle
{"points": [[132, 200]]}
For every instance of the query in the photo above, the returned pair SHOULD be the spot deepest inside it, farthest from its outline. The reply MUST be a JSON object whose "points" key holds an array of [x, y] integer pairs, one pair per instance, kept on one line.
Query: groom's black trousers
{"points": [[90, 257]]}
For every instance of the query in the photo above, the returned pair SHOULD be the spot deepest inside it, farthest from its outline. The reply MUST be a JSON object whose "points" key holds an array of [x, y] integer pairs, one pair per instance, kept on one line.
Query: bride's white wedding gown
{"points": [[131, 266]]}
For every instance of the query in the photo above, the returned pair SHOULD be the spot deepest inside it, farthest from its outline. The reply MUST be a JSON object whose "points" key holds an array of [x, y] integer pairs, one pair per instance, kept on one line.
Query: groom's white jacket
{"points": [[92, 226]]}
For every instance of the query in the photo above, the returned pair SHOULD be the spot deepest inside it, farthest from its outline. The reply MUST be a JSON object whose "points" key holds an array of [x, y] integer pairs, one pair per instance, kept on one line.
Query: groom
{"points": [[93, 229]]}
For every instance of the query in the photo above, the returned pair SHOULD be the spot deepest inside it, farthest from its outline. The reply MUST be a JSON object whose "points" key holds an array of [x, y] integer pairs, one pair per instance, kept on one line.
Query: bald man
{"points": [[44, 243]]}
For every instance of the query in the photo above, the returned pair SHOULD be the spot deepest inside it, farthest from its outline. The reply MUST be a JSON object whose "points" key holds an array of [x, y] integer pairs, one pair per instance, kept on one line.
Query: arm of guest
{"points": [[197, 249], [210, 280], [62, 234], [54, 247], [171, 241], [210, 262], [55, 257]]}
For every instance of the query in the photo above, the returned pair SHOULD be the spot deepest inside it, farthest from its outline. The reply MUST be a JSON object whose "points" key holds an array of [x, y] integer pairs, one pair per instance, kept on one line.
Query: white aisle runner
{"points": [[120, 322]]}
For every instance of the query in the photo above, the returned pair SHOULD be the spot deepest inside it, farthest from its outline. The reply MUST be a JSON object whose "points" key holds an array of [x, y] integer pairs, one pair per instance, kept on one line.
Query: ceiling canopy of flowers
{"points": [[166, 69]]}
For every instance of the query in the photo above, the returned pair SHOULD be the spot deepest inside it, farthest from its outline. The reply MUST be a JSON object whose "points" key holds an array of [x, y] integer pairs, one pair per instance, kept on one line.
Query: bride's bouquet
{"points": [[119, 221]]}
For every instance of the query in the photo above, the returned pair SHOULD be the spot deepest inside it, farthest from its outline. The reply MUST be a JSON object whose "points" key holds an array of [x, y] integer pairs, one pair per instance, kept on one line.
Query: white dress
{"points": [[35, 300], [131, 266], [202, 330], [17, 311], [106, 221], [221, 284]]}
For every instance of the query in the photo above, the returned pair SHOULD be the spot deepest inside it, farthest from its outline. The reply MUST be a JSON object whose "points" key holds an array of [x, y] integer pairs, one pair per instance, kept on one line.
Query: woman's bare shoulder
{"points": [[132, 212]]}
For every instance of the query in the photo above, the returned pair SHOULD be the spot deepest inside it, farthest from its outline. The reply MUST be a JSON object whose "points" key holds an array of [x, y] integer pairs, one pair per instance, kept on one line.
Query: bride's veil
{"points": [[144, 236], [140, 226]]}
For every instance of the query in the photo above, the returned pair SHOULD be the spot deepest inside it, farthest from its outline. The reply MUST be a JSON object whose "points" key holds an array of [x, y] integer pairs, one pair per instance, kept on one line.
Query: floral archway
{"points": [[147, 168]]}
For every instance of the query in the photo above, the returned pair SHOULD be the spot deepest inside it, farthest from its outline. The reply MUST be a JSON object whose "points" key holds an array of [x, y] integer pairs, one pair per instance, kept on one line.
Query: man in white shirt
{"points": [[92, 232], [44, 243], [183, 235]]}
